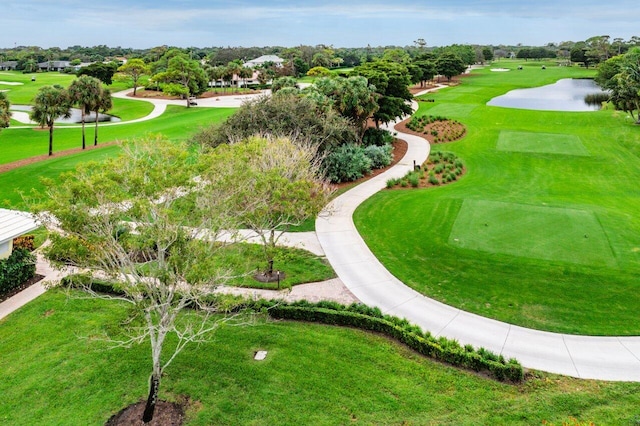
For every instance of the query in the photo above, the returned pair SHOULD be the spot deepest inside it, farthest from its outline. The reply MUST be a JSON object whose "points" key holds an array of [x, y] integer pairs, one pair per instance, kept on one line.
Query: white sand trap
{"points": [[500, 69], [22, 117], [11, 83]]}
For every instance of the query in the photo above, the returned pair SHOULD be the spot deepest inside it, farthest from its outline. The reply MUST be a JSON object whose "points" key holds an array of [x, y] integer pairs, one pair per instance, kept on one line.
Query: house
{"points": [[13, 224], [276, 60], [54, 65], [8, 65], [60, 66]]}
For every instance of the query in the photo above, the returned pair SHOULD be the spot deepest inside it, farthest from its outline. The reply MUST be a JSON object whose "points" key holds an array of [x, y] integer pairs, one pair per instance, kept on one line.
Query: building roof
{"points": [[14, 223], [54, 64], [264, 58]]}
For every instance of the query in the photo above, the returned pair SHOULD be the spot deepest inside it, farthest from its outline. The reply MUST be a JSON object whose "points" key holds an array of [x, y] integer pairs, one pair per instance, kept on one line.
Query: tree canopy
{"points": [[5, 114], [283, 115], [391, 81], [621, 76], [134, 68]]}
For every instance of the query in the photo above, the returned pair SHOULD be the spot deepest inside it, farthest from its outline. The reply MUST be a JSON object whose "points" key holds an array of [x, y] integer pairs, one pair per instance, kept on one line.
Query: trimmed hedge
{"points": [[16, 269], [441, 349], [365, 318]]}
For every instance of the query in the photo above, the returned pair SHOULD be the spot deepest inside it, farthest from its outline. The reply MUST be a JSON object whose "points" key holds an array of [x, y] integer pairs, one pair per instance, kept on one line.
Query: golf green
{"points": [[536, 232]]}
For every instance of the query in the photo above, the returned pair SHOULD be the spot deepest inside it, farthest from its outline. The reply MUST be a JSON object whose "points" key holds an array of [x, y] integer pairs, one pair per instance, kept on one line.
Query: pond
{"points": [[76, 115], [565, 95]]}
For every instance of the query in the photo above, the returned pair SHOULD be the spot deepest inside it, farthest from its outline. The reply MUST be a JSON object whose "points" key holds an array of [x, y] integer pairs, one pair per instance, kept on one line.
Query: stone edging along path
{"points": [[587, 357]]}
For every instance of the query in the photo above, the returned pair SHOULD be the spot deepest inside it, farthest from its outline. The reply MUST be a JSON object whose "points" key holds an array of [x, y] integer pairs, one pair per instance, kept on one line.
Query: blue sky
{"points": [[346, 23]]}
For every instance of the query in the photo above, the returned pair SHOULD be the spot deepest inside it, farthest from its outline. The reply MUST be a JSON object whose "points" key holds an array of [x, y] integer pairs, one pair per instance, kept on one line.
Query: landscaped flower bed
{"points": [[438, 129], [439, 169]]}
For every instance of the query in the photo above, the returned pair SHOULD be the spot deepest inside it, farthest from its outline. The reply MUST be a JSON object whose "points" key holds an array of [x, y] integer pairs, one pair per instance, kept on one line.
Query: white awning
{"points": [[14, 223]]}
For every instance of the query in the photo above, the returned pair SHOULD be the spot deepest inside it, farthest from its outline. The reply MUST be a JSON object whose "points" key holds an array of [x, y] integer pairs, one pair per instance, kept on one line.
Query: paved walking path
{"points": [[332, 289], [605, 358], [159, 107]]}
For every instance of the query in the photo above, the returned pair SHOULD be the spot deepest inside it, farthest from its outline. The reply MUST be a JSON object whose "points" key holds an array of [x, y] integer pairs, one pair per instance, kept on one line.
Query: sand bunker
{"points": [[500, 69], [11, 83]]}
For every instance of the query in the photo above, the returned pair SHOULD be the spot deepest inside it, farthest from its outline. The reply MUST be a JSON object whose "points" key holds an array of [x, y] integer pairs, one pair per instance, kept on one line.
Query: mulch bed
{"points": [[402, 127], [166, 414], [23, 286]]}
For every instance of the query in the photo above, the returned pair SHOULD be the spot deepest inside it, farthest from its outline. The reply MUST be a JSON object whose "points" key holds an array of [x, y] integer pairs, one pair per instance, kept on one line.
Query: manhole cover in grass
{"points": [[537, 232], [541, 143]]}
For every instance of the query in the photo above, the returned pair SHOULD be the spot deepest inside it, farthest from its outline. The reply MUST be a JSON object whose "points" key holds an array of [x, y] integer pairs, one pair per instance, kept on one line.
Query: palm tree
{"points": [[102, 104], [84, 91], [234, 69], [246, 73], [227, 76], [5, 115], [216, 74], [50, 103]]}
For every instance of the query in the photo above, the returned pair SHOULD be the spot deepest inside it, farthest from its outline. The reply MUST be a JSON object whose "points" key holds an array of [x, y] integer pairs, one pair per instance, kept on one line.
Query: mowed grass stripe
{"points": [[541, 143], [452, 110], [537, 232]]}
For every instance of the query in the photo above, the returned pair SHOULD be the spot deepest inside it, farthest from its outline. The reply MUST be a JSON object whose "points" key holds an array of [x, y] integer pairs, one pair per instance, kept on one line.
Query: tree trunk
{"points": [[51, 139], [154, 386], [83, 140], [95, 134]]}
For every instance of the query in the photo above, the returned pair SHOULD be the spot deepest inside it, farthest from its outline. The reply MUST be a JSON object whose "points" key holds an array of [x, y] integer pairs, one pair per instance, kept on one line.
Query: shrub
{"points": [[380, 156], [67, 250], [442, 349], [346, 163], [378, 137], [414, 179], [24, 242], [16, 269]]}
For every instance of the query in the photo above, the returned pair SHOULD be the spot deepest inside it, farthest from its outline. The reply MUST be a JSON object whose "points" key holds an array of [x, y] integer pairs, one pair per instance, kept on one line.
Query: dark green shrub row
{"points": [[365, 318], [370, 319], [85, 281], [16, 269]]}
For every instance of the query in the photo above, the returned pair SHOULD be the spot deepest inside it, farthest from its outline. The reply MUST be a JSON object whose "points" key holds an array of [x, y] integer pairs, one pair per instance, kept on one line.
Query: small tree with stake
{"points": [[278, 183], [127, 211]]}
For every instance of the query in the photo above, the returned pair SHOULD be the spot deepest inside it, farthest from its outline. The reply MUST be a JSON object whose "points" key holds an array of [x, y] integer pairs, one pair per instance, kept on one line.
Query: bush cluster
{"points": [[350, 161], [375, 136], [24, 242], [16, 269], [67, 250], [362, 317]]}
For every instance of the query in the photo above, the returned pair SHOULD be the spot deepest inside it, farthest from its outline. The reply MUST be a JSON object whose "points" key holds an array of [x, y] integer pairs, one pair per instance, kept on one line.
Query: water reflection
{"points": [[567, 94]]}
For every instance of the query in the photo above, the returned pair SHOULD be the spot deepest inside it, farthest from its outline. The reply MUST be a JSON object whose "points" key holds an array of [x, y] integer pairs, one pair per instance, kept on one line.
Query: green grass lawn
{"points": [[177, 123], [57, 370], [298, 266], [540, 182]]}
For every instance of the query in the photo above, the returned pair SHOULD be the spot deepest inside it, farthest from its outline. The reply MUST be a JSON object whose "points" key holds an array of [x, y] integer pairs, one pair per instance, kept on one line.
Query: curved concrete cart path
{"points": [[605, 358], [159, 107]]}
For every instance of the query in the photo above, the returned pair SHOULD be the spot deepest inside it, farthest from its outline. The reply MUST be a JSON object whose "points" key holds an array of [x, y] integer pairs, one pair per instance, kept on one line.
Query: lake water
{"points": [[565, 95], [76, 115]]}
